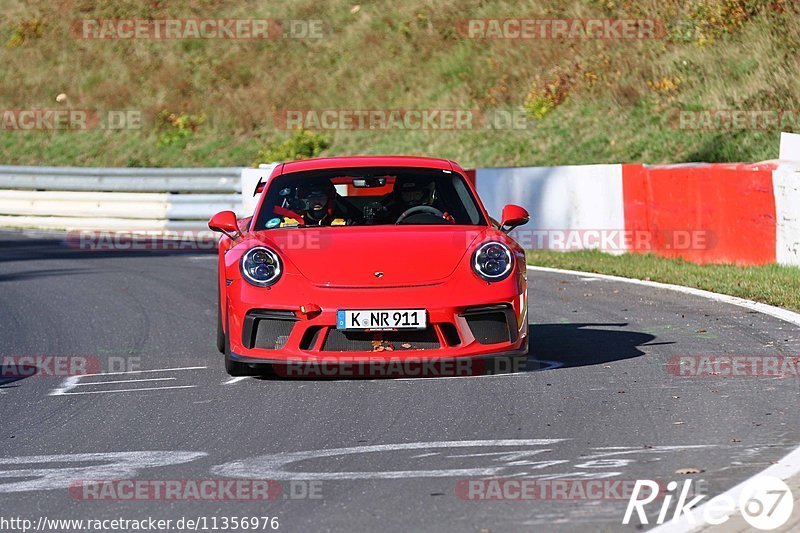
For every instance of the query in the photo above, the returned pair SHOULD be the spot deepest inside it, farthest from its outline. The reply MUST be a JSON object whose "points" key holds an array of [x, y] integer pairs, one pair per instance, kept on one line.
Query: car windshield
{"points": [[368, 197]]}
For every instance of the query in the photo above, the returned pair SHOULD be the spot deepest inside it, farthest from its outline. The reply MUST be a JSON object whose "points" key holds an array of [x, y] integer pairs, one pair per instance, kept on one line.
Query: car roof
{"points": [[368, 161], [362, 161]]}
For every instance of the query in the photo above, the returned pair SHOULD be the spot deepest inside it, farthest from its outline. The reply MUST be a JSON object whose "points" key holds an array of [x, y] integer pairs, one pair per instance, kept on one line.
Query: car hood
{"points": [[377, 256]]}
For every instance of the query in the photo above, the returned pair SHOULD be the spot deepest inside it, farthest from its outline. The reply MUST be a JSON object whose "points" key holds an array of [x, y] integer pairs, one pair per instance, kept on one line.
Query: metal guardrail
{"points": [[120, 198], [177, 180]]}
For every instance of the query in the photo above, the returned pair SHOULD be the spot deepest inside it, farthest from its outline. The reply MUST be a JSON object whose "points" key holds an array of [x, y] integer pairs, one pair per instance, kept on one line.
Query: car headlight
{"points": [[492, 261], [261, 266]]}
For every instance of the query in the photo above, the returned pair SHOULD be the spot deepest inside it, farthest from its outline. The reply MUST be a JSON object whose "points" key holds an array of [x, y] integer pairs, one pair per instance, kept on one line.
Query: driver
{"points": [[317, 203], [312, 202], [408, 193]]}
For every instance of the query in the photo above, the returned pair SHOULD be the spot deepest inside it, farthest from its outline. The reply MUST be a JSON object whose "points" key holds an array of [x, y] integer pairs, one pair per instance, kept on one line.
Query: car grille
{"points": [[380, 342]]}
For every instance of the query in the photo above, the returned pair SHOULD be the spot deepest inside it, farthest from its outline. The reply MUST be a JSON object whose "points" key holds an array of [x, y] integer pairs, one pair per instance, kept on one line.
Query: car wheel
{"points": [[220, 331], [235, 368], [238, 369], [510, 364], [220, 334], [519, 363]]}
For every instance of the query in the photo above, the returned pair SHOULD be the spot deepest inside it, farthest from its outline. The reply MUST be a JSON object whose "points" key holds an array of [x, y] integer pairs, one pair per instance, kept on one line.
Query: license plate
{"points": [[382, 319]]}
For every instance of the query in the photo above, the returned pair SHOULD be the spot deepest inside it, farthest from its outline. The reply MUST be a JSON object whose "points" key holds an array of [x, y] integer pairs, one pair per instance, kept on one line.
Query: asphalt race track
{"points": [[605, 402]]}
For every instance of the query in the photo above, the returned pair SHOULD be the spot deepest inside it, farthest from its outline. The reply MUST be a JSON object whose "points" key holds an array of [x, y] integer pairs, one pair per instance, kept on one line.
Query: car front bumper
{"points": [[296, 323]]}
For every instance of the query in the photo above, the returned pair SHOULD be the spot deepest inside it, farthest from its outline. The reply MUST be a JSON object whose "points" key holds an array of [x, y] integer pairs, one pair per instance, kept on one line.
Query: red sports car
{"points": [[360, 258]]}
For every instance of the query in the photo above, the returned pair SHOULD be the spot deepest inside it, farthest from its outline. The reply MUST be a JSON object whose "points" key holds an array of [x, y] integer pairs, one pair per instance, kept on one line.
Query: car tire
{"points": [[233, 368], [510, 364], [220, 334], [220, 331], [520, 362], [236, 369]]}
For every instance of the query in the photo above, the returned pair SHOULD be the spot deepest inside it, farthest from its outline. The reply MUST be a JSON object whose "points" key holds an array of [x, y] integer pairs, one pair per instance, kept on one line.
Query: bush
{"points": [[704, 21], [303, 144], [544, 96], [176, 129], [27, 30]]}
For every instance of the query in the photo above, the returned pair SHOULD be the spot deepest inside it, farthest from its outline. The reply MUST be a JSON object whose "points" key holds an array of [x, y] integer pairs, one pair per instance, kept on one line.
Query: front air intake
{"points": [[267, 329], [492, 324]]}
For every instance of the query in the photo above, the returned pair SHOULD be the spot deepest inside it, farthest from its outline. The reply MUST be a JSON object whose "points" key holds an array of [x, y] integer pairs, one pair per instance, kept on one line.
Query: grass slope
{"points": [[208, 103], [771, 284]]}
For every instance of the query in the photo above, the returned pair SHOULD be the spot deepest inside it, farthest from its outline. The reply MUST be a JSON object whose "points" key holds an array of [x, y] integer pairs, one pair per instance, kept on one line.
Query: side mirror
{"points": [[513, 216], [225, 222]]}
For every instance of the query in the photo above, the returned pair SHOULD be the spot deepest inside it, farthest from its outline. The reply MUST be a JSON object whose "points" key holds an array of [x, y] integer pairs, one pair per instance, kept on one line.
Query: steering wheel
{"points": [[419, 209]]}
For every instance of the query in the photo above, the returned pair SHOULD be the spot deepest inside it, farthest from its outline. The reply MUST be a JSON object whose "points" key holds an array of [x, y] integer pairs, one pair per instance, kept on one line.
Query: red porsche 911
{"points": [[360, 258]]}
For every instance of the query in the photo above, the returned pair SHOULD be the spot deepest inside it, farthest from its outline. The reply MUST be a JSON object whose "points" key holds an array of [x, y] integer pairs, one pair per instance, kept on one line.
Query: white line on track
{"points": [[275, 466], [786, 467], [122, 381], [71, 382], [144, 371], [235, 380], [128, 390]]}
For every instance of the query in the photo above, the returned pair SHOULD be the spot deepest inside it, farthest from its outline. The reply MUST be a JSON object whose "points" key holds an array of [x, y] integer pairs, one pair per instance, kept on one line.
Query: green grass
{"points": [[615, 106], [770, 284]]}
